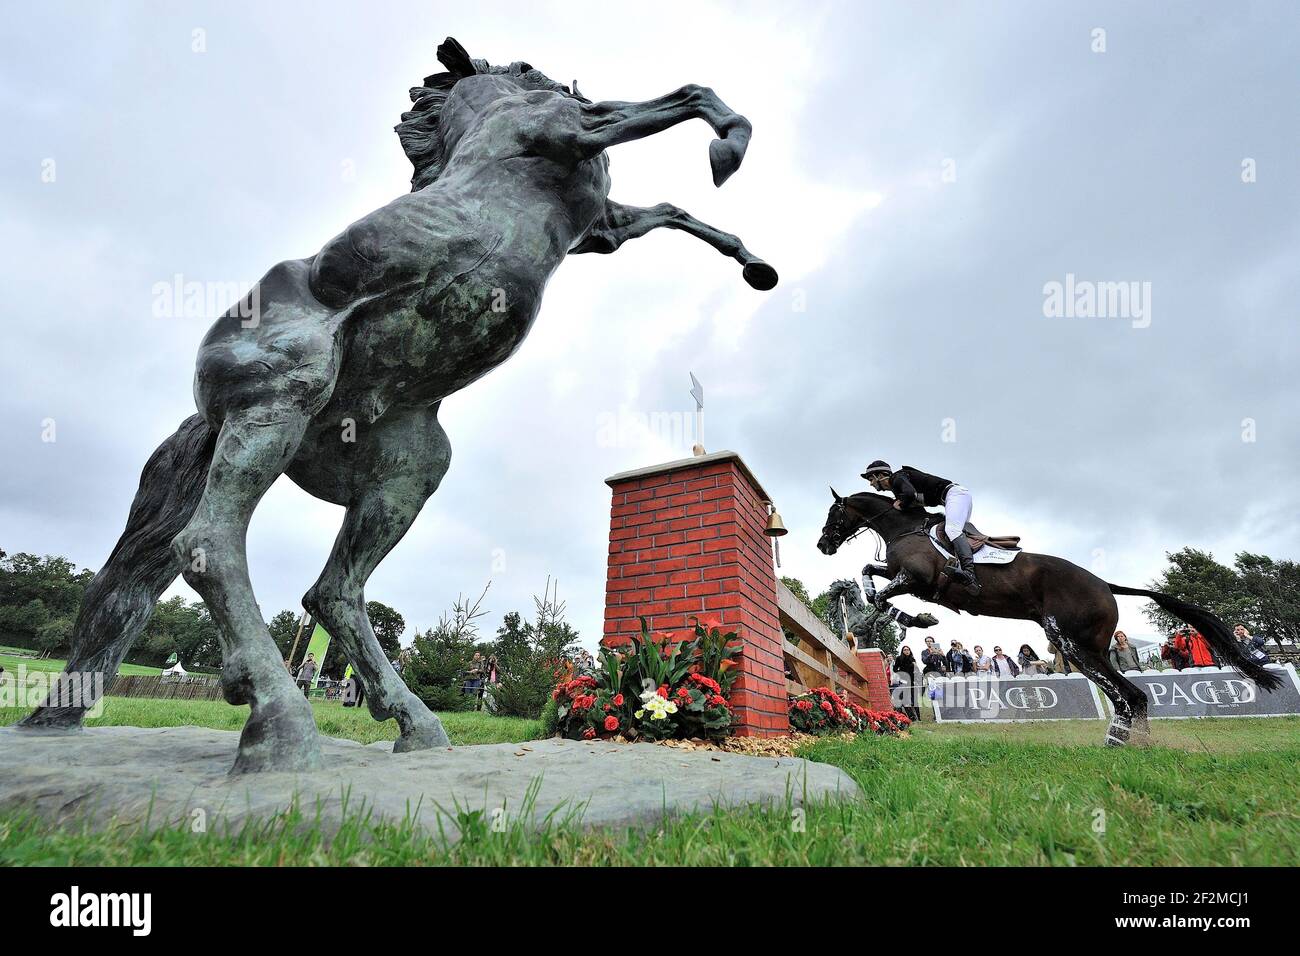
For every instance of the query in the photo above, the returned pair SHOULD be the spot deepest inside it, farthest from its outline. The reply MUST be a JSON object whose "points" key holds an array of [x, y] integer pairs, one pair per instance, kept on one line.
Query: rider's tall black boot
{"points": [[966, 572]]}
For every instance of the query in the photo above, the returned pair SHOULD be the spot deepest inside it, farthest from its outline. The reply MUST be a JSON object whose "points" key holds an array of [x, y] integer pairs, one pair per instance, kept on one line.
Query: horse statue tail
{"points": [[1214, 630], [120, 599]]}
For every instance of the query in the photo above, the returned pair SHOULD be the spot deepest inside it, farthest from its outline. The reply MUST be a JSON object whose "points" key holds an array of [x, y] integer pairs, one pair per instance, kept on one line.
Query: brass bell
{"points": [[775, 526]]}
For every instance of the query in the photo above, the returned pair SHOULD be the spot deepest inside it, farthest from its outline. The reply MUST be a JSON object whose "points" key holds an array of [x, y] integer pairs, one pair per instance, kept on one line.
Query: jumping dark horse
{"points": [[337, 379], [1074, 607]]}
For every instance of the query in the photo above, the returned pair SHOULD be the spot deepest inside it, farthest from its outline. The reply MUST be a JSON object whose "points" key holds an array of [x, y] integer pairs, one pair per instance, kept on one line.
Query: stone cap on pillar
{"points": [[693, 462]]}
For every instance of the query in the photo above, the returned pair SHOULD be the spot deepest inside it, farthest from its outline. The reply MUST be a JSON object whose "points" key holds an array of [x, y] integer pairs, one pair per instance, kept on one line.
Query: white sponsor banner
{"points": [[1216, 692], [983, 699]]}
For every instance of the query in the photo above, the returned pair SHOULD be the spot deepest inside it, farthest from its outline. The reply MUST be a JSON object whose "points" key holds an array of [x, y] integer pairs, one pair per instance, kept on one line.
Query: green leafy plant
{"points": [[656, 689]]}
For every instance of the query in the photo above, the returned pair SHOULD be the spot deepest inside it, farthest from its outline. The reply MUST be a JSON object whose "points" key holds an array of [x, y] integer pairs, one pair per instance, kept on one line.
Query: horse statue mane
{"points": [[420, 132]]}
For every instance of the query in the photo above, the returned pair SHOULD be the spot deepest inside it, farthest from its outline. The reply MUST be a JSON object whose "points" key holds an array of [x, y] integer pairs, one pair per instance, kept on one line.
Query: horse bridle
{"points": [[844, 503]]}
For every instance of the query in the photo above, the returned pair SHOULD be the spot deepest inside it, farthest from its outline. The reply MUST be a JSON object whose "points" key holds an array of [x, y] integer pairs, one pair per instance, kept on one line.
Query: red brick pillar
{"points": [[873, 662], [686, 539]]}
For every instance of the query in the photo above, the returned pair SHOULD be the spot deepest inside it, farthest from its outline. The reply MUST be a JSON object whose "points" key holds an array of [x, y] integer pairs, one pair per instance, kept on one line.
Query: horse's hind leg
{"points": [[253, 449], [1130, 704], [405, 465]]}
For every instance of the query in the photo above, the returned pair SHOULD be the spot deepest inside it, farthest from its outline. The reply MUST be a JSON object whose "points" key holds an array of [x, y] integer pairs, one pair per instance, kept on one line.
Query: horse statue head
{"points": [[861, 623], [427, 135]]}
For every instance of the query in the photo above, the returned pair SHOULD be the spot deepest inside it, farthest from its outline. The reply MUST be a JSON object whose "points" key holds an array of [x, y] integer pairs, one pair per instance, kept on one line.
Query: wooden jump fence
{"points": [[193, 687], [820, 658]]}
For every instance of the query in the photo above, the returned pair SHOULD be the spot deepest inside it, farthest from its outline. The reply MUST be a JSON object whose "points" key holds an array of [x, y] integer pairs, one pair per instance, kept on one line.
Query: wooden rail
{"points": [[821, 658], [166, 688]]}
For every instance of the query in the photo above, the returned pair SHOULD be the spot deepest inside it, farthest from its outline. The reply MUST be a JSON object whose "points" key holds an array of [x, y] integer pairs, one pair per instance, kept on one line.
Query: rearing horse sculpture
{"points": [[336, 379], [1074, 607]]}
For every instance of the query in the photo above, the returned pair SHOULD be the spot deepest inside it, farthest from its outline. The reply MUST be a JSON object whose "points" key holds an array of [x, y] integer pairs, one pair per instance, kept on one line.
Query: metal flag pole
{"points": [[302, 622], [697, 393]]}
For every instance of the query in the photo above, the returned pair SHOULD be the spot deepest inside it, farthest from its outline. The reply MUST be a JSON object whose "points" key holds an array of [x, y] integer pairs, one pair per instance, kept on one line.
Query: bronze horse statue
{"points": [[1075, 608], [336, 379]]}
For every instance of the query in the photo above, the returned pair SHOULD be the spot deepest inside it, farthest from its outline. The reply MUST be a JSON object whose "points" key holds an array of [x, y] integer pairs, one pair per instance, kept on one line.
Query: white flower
{"points": [[658, 707]]}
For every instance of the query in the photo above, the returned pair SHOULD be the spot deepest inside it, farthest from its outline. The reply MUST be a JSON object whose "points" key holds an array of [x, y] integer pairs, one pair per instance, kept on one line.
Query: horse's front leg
{"points": [[619, 223], [612, 122], [900, 584], [881, 602]]}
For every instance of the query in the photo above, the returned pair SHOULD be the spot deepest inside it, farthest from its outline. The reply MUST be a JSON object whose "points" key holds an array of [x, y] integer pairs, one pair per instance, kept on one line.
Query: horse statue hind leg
{"points": [[390, 473]]}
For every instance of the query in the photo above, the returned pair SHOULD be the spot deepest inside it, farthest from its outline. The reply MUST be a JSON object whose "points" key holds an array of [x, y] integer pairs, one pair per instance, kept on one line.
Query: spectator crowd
{"points": [[912, 676]]}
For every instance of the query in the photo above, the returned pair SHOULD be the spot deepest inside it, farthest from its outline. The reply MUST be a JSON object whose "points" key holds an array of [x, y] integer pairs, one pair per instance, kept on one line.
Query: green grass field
{"points": [[12, 658], [1209, 792]]}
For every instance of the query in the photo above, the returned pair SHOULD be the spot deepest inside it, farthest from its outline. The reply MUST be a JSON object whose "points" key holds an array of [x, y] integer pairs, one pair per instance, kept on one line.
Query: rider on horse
{"points": [[913, 488]]}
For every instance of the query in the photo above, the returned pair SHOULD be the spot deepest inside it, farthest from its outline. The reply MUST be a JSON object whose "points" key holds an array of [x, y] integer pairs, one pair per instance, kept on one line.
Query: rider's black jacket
{"points": [[915, 488]]}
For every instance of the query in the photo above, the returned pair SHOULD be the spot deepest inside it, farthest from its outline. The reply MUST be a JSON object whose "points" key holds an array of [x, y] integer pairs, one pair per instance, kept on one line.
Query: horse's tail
{"points": [[121, 597], [1214, 630]]}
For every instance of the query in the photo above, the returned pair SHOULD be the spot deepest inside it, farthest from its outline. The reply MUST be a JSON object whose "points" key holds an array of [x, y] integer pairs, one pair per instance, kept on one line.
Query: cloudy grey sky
{"points": [[919, 172]]}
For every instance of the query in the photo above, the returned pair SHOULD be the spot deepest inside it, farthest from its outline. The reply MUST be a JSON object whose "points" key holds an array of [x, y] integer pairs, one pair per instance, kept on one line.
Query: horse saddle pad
{"points": [[986, 549]]}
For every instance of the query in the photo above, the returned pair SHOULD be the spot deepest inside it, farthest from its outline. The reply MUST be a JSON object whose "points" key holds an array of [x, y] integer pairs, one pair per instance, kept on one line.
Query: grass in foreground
{"points": [[946, 796]]}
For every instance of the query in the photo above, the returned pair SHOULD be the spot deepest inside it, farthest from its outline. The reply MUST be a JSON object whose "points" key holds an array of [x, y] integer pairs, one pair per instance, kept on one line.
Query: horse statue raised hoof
{"points": [[1075, 608], [332, 370]]}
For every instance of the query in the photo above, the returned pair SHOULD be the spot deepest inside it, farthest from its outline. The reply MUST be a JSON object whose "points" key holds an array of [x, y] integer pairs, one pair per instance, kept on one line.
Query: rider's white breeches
{"points": [[956, 511]]}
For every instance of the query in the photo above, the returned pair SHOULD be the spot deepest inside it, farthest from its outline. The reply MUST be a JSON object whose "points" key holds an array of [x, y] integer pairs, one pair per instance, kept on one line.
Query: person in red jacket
{"points": [[1195, 648]]}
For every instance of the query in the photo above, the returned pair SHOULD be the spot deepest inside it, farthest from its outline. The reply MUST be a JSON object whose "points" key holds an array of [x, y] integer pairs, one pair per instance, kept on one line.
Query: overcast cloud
{"points": [[918, 173]]}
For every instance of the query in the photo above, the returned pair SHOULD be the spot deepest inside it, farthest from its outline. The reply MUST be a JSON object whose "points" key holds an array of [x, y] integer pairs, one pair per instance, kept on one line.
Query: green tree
{"points": [[530, 655], [185, 629], [35, 591], [821, 604], [284, 628], [1272, 593], [436, 665], [1195, 576], [388, 626], [54, 636]]}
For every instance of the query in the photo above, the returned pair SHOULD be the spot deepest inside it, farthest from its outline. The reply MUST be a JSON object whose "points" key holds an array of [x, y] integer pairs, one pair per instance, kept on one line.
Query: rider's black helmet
{"points": [[878, 467]]}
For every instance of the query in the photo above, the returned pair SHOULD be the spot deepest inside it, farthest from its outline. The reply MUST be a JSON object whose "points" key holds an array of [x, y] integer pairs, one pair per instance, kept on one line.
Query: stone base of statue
{"points": [[177, 776]]}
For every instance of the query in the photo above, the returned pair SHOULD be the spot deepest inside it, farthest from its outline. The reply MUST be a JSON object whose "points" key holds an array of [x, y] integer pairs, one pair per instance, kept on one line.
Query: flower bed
{"points": [[822, 711], [659, 689]]}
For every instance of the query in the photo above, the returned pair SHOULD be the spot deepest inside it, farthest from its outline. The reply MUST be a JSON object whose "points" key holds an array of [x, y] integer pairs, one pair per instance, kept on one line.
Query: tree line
{"points": [[40, 595]]}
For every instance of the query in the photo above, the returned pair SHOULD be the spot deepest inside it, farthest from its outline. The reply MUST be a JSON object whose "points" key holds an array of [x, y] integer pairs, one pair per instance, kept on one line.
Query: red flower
{"points": [[717, 700], [804, 705], [663, 691], [589, 733], [618, 700], [611, 723], [707, 682], [826, 706]]}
